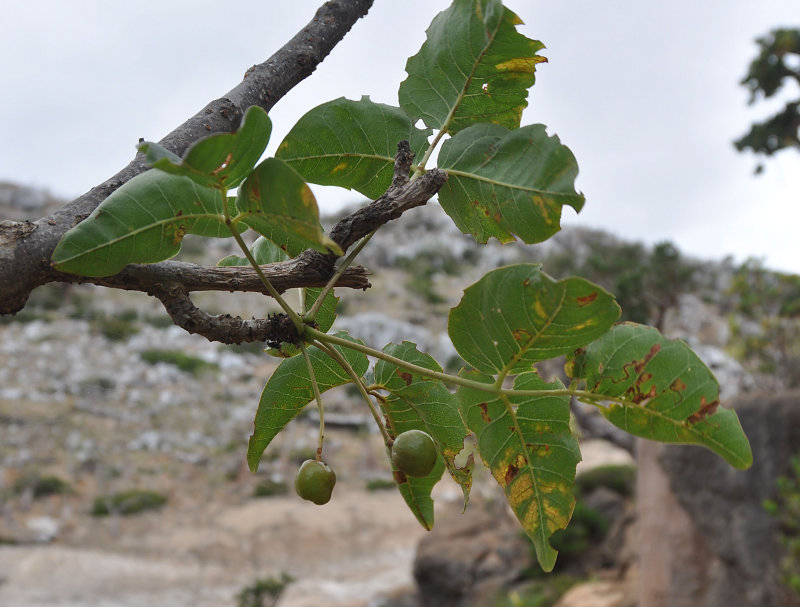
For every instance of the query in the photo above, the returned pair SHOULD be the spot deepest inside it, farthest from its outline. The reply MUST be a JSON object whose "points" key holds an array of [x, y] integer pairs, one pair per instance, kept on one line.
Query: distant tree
{"points": [[777, 63], [669, 277], [768, 331], [647, 283]]}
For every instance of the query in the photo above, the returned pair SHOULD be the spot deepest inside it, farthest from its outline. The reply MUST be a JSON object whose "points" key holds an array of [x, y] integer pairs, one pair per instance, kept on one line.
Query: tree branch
{"points": [[223, 328], [190, 277], [401, 196], [26, 248]]}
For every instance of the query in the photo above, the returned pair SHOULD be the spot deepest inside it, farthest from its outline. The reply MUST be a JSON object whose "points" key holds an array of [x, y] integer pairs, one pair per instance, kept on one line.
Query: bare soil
{"points": [[203, 548]]}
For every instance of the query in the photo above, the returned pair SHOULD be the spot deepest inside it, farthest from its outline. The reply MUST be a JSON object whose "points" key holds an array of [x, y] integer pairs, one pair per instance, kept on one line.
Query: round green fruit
{"points": [[314, 481], [414, 453]]}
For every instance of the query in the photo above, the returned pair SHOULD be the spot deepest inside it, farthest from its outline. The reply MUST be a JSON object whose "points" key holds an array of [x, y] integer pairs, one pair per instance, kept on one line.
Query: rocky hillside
{"points": [[100, 394]]}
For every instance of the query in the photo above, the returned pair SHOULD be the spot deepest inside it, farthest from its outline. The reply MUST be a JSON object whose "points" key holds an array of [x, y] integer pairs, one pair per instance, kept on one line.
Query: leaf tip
{"points": [[546, 555], [254, 453], [334, 247]]}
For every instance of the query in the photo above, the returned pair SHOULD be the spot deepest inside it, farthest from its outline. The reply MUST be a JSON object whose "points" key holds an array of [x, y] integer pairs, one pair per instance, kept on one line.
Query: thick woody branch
{"points": [[223, 328], [190, 277], [26, 248]]}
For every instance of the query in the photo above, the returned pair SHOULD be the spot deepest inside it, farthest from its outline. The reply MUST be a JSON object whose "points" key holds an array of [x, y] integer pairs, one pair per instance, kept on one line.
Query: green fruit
{"points": [[314, 481], [414, 453]]}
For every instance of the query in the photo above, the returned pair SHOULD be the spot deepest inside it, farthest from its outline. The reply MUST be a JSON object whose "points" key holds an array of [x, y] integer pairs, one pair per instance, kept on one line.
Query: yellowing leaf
{"points": [[527, 444], [517, 315], [473, 67], [505, 183]]}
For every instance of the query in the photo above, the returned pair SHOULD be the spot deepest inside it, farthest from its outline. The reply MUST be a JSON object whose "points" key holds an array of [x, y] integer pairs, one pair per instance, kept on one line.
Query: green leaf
{"points": [[143, 221], [416, 490], [417, 402], [504, 183], [659, 389], [517, 315], [222, 160], [277, 203], [527, 444], [289, 390], [473, 67], [350, 144], [400, 417], [326, 315], [264, 251]]}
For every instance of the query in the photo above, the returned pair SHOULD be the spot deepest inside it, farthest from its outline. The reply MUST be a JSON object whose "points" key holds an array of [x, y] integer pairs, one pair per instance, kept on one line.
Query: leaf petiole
{"points": [[312, 313], [340, 360], [420, 168], [317, 398], [298, 322], [584, 395]]}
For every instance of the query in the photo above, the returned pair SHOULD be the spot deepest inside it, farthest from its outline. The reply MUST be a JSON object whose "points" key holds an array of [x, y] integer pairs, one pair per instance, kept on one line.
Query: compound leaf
{"points": [[144, 221], [289, 390], [659, 389], [527, 444], [221, 160], [473, 67], [350, 144], [517, 315], [277, 203], [504, 183]]}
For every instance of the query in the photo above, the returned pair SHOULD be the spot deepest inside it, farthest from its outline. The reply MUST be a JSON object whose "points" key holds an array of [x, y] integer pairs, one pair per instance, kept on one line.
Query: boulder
{"points": [[706, 538], [467, 558]]}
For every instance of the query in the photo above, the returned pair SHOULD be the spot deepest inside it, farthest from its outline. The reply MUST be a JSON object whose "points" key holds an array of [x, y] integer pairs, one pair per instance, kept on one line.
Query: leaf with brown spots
{"points": [[508, 184], [221, 160], [473, 67], [659, 389], [527, 444], [351, 144], [277, 203], [517, 315]]}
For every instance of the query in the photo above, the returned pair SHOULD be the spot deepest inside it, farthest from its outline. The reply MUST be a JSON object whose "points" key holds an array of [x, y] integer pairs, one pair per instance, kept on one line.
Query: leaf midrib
{"points": [[705, 438], [530, 471], [132, 234], [530, 343], [338, 155], [511, 186], [491, 36]]}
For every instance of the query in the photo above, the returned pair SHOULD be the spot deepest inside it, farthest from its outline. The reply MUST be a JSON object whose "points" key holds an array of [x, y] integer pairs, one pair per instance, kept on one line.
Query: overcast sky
{"points": [[646, 94]]}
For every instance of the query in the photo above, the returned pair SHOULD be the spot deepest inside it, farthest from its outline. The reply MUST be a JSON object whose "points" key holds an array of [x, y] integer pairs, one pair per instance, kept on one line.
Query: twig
{"points": [[401, 196]]}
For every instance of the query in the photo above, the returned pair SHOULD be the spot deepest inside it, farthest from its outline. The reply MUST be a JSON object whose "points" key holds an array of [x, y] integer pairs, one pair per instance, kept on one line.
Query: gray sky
{"points": [[645, 94]]}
